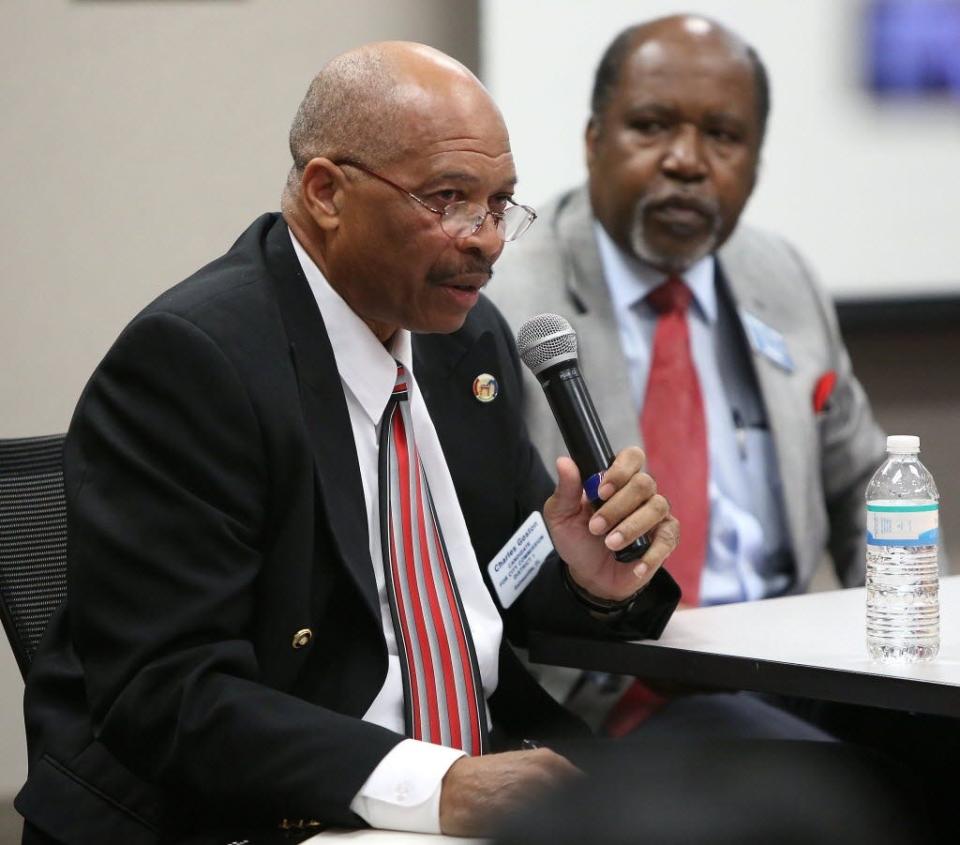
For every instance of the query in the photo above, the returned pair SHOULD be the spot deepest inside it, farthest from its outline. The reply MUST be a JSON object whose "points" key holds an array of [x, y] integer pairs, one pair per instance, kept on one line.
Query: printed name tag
{"points": [[515, 565], [767, 341]]}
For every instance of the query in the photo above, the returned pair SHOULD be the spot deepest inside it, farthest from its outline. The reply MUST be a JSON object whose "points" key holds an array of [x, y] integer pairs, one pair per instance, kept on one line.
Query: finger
{"points": [[639, 490], [628, 462], [567, 498], [643, 520], [664, 539]]}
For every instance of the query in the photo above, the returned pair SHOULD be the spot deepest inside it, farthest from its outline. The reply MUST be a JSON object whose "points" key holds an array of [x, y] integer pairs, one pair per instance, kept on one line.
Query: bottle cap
{"points": [[903, 444]]}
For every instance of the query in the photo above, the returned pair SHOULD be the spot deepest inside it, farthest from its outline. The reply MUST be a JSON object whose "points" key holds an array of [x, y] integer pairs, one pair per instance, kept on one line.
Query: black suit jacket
{"points": [[215, 510]]}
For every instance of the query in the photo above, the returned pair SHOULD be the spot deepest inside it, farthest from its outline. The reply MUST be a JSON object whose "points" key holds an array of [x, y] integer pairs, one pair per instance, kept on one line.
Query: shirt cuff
{"points": [[403, 791]]}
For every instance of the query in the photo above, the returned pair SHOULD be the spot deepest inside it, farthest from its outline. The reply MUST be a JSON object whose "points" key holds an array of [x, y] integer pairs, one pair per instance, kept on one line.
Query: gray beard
{"points": [[669, 263]]}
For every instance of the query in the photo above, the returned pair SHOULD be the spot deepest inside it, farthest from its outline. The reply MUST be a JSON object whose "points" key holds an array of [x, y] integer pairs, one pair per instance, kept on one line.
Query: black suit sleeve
{"points": [[547, 604], [167, 479]]}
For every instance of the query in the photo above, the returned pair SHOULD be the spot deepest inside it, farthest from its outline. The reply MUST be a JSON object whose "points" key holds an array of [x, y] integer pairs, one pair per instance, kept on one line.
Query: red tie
{"points": [[674, 430], [443, 695], [675, 439]]}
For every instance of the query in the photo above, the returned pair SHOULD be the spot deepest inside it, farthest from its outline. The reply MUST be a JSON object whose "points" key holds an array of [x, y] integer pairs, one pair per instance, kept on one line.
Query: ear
{"points": [[592, 140], [322, 191]]}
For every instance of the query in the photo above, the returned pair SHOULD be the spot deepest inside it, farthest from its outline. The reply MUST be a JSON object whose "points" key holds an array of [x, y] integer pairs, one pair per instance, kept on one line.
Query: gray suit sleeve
{"points": [[852, 447]]}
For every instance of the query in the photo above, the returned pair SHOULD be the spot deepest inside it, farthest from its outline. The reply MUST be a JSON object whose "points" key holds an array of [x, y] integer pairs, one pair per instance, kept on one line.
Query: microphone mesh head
{"points": [[545, 340]]}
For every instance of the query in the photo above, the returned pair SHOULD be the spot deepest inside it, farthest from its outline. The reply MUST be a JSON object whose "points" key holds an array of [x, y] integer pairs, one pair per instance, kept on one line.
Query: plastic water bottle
{"points": [[903, 600]]}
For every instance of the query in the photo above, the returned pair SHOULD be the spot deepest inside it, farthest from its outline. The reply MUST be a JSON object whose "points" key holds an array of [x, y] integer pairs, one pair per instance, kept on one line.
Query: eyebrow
{"points": [[648, 107], [463, 177], [665, 110], [729, 118], [452, 176]]}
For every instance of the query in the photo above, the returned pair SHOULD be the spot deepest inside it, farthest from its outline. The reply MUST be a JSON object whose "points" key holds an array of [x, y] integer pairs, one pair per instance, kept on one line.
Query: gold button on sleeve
{"points": [[302, 637]]}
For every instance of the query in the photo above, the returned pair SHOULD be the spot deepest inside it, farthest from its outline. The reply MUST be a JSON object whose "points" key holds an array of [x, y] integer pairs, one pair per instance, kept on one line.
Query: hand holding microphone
{"points": [[548, 346]]}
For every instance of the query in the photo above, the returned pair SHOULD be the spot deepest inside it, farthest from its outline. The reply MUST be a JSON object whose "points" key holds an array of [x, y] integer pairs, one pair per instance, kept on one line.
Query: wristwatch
{"points": [[605, 608]]}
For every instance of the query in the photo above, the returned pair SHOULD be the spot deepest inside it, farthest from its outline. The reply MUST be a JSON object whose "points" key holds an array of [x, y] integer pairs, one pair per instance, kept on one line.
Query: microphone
{"points": [[548, 346]]}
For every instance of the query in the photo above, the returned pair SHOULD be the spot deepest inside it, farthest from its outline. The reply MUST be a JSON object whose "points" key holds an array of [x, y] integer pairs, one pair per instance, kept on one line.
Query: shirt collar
{"points": [[367, 368], [630, 279]]}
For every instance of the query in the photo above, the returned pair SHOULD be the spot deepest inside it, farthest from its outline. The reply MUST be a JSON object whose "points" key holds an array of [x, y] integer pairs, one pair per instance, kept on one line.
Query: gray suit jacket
{"points": [[825, 459]]}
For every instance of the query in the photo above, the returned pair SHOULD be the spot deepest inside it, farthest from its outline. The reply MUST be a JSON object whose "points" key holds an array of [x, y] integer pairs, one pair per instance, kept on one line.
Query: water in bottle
{"points": [[903, 602]]}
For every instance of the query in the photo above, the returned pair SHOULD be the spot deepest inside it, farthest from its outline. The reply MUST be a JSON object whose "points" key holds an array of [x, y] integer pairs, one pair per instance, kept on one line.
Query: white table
{"points": [[811, 646]]}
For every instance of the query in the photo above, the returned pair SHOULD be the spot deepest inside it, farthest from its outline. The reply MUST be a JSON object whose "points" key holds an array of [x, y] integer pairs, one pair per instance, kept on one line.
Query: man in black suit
{"points": [[227, 654]]}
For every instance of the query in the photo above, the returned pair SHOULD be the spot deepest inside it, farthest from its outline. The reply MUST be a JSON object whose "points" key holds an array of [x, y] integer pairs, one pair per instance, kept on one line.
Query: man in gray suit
{"points": [[679, 110]]}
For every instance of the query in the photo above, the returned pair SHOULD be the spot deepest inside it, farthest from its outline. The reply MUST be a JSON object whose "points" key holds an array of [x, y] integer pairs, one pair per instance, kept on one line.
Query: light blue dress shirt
{"points": [[747, 551]]}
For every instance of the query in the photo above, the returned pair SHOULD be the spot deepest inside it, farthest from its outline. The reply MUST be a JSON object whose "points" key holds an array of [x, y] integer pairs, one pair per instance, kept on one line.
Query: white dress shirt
{"points": [[747, 552], [403, 792]]}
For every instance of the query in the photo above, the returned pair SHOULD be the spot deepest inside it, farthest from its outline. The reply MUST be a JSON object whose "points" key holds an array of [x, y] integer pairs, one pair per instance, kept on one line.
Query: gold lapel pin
{"points": [[485, 388], [302, 638]]}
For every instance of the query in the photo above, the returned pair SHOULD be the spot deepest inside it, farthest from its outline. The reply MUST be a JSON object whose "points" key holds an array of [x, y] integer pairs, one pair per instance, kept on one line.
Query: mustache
{"points": [[680, 199], [471, 267]]}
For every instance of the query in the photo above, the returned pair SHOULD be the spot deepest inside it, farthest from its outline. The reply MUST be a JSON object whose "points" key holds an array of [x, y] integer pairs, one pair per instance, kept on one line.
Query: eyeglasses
{"points": [[463, 219]]}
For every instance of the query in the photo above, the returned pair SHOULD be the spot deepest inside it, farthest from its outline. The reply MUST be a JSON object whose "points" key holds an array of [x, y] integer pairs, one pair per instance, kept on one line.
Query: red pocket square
{"points": [[823, 390]]}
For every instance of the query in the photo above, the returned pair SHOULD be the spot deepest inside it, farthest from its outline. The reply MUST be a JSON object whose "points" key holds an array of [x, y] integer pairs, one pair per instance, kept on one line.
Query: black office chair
{"points": [[33, 540]]}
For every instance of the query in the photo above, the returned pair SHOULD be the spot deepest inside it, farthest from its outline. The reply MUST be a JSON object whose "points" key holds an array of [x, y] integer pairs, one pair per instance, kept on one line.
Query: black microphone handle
{"points": [[584, 437]]}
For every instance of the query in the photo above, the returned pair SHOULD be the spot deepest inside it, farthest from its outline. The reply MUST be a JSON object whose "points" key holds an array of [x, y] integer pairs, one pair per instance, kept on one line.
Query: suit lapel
{"points": [[601, 358], [747, 283], [476, 437], [434, 361], [325, 412]]}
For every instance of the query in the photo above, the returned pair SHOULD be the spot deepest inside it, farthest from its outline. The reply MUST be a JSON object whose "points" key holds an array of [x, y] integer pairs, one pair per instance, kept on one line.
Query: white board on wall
{"points": [[868, 190]]}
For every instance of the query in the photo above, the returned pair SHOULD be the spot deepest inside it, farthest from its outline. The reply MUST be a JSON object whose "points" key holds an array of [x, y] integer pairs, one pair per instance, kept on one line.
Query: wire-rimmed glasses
{"points": [[462, 219]]}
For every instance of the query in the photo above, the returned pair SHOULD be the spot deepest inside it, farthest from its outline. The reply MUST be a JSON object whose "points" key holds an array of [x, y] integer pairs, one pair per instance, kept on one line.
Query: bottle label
{"points": [[902, 525]]}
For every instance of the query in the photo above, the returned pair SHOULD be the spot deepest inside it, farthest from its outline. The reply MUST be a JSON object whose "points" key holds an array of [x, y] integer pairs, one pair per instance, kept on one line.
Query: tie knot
{"points": [[673, 296]]}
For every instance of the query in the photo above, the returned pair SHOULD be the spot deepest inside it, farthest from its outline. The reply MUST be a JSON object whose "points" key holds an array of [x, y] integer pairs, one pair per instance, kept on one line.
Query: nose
{"points": [[684, 157], [485, 239]]}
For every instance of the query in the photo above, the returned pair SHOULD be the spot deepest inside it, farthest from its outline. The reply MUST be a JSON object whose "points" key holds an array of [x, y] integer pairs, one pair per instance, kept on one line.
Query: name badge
{"points": [[767, 341], [517, 563]]}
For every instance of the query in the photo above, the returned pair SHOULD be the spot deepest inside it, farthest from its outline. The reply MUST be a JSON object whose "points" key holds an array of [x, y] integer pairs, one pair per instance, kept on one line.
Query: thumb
{"points": [[566, 499]]}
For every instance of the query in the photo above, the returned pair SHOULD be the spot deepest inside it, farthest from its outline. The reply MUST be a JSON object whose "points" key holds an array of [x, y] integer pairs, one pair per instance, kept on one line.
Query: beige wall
{"points": [[139, 139]]}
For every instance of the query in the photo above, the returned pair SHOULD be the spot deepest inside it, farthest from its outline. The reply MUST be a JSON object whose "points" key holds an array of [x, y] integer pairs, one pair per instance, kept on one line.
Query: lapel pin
{"points": [[485, 388]]}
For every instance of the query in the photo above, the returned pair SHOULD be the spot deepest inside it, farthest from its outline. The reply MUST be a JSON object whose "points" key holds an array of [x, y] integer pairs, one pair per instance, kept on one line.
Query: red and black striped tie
{"points": [[443, 695]]}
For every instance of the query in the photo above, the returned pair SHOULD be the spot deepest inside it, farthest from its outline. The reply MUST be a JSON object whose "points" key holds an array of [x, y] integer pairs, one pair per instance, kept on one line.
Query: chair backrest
{"points": [[33, 540]]}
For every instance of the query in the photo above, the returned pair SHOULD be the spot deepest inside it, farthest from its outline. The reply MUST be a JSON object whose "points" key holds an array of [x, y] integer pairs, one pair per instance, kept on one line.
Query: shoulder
{"points": [[236, 278], [764, 251], [767, 274], [529, 276], [221, 324], [759, 265], [563, 219], [231, 300]]}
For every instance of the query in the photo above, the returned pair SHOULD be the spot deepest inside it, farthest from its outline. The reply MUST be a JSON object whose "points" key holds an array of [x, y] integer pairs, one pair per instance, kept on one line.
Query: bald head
{"points": [[676, 28], [366, 104], [394, 144]]}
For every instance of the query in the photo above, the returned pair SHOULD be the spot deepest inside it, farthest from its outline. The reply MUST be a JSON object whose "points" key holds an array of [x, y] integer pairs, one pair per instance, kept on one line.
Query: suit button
{"points": [[302, 637]]}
